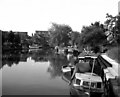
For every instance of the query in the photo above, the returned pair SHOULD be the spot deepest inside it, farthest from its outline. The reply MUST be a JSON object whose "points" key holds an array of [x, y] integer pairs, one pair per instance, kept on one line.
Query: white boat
{"points": [[88, 82], [66, 68]]}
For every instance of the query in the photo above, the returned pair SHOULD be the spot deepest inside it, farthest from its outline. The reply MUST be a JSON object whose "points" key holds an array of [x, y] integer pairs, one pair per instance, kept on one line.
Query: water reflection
{"points": [[56, 63], [35, 68], [15, 56], [10, 58], [38, 55]]}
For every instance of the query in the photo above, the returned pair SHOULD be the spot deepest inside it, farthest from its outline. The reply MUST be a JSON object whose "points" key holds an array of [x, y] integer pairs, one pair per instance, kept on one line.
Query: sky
{"points": [[31, 15]]}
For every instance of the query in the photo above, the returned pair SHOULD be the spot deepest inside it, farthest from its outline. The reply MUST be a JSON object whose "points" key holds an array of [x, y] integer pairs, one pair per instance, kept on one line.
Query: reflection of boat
{"points": [[88, 82], [66, 68]]}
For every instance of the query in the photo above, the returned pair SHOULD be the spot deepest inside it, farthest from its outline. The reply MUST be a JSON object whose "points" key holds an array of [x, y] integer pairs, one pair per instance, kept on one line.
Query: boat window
{"points": [[86, 83], [98, 85], [93, 85], [78, 81]]}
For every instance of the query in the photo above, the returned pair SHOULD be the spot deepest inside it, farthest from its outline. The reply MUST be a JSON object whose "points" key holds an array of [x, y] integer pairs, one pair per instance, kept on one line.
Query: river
{"points": [[33, 72]]}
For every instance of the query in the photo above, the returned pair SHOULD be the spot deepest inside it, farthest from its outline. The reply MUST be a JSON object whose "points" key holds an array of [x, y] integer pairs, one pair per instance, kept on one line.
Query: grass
{"points": [[114, 53]]}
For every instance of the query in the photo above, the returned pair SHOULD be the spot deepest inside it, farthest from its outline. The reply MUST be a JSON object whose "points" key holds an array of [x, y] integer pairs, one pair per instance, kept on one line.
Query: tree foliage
{"points": [[59, 34], [93, 35], [10, 37], [75, 36], [113, 28], [40, 39], [10, 40]]}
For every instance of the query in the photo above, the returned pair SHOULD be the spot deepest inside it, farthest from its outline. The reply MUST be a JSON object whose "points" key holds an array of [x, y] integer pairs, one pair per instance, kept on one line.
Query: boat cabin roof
{"points": [[83, 57], [92, 77], [94, 57]]}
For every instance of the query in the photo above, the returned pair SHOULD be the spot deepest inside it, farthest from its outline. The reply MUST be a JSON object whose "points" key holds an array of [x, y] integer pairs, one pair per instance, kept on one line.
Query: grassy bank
{"points": [[114, 53]]}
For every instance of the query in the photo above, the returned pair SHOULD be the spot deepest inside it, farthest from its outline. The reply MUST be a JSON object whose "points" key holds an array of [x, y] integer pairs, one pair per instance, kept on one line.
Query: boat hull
{"points": [[86, 92]]}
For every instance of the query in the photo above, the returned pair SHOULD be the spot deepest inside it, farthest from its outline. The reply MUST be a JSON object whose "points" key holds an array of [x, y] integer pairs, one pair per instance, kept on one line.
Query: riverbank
{"points": [[111, 72], [114, 70]]}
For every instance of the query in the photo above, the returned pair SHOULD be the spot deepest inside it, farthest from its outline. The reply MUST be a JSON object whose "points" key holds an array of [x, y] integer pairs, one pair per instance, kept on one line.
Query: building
{"points": [[43, 33], [23, 35], [14, 39]]}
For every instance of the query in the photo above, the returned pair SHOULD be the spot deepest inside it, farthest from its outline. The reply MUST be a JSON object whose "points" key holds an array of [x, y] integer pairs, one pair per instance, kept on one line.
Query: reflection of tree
{"points": [[56, 63], [10, 58], [15, 56], [39, 55], [24, 55]]}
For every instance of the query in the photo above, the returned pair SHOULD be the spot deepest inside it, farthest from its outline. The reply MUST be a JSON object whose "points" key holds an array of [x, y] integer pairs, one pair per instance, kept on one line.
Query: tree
{"points": [[75, 36], [41, 39], [59, 34], [113, 29], [36, 39], [93, 35], [17, 39], [11, 37]]}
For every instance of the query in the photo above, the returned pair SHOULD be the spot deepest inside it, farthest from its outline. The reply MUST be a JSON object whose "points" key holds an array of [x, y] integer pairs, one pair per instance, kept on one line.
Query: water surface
{"points": [[32, 73], [35, 72]]}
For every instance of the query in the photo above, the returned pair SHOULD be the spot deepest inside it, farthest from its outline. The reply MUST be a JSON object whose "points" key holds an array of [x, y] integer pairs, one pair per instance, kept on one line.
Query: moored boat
{"points": [[88, 82], [67, 68]]}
